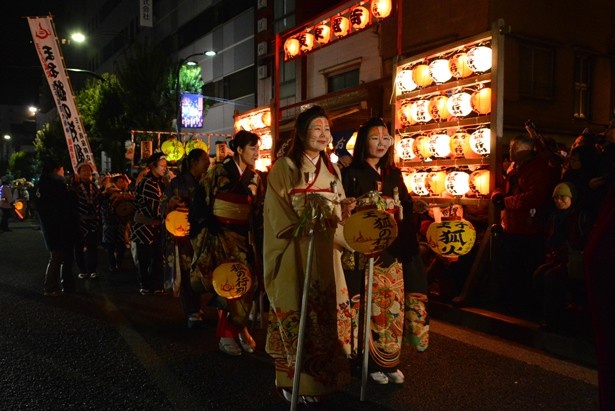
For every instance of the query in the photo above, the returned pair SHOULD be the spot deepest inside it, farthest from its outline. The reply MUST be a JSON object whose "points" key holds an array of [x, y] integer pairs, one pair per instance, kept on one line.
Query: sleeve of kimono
{"points": [[278, 208]]}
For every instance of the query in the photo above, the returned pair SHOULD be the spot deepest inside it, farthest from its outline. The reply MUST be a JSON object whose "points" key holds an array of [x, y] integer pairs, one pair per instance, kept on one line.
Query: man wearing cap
{"points": [[147, 230]]}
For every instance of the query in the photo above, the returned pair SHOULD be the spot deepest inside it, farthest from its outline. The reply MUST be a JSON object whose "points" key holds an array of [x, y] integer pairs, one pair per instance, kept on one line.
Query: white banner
{"points": [[50, 55], [146, 13]]}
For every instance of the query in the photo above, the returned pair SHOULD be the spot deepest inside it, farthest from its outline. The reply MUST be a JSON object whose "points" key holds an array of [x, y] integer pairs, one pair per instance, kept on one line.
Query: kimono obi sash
{"points": [[299, 200], [231, 208]]}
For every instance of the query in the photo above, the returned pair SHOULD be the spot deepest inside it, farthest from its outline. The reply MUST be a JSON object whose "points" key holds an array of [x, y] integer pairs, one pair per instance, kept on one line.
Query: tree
{"points": [[23, 165], [50, 143]]}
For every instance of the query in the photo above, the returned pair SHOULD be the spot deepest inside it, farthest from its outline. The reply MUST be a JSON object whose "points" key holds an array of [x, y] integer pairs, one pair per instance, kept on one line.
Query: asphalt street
{"points": [[106, 347]]}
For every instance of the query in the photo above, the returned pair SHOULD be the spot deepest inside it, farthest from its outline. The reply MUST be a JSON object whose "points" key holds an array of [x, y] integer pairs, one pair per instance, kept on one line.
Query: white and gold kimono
{"points": [[326, 347]]}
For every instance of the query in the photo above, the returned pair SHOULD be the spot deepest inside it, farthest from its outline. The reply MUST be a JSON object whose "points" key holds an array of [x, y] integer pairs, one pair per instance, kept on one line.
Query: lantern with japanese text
{"points": [[420, 147], [341, 26], [440, 145], [421, 75], [196, 143], [460, 145], [404, 81], [479, 59], [232, 280], [322, 33], [451, 238], [479, 182], [438, 109], [419, 111], [359, 17], [417, 183], [370, 231], [381, 9], [177, 223], [291, 47], [481, 101], [434, 182], [403, 115], [440, 71], [173, 149], [480, 141], [266, 118], [457, 183], [306, 42], [404, 149], [459, 104], [458, 66], [407, 176], [266, 141]]}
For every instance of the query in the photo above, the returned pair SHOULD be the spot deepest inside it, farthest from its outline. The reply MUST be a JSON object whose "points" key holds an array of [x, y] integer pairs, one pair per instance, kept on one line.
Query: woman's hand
{"points": [[348, 204]]}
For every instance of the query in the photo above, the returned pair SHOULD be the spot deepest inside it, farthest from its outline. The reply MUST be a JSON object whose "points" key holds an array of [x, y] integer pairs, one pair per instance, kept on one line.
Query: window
{"points": [[336, 82], [232, 87], [582, 86], [536, 71]]}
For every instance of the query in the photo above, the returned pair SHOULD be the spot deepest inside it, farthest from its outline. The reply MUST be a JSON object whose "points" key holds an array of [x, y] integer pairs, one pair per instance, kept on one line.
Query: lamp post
{"points": [[178, 85]]}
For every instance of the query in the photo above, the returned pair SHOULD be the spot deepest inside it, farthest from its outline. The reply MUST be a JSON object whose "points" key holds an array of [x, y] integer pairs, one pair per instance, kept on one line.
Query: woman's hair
{"points": [[193, 156], [49, 167], [297, 147], [360, 152], [243, 138]]}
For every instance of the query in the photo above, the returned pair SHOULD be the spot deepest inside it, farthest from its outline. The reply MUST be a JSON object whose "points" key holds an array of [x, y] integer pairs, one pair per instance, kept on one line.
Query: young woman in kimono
{"points": [[178, 194], [372, 169], [221, 234], [296, 182]]}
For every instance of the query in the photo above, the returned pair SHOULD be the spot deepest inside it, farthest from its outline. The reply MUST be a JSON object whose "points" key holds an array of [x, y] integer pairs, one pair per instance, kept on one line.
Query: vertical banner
{"points": [[50, 55], [146, 18]]}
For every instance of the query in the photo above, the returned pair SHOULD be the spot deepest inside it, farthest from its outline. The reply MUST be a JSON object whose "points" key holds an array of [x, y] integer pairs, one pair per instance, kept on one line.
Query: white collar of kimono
{"points": [[313, 160]]}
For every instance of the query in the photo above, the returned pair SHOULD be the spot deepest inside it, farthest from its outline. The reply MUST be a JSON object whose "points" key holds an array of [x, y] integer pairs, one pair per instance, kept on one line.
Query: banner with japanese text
{"points": [[50, 54]]}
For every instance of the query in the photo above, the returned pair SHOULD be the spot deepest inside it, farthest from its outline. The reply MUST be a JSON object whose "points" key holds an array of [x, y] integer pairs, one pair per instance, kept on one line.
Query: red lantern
{"points": [[458, 66], [421, 75], [306, 42], [479, 182], [291, 47], [460, 146], [437, 108], [481, 101]]}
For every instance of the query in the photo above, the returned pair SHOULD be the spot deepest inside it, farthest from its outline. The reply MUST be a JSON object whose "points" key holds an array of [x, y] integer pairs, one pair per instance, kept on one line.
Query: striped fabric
{"points": [[147, 202]]}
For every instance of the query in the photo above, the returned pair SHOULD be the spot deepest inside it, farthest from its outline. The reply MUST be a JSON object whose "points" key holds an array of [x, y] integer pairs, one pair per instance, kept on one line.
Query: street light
{"points": [[181, 63]]}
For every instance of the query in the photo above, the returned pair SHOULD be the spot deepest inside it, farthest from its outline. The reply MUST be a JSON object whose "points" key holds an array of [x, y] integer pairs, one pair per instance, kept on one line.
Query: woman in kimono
{"points": [[306, 180], [178, 194], [224, 213], [372, 169]]}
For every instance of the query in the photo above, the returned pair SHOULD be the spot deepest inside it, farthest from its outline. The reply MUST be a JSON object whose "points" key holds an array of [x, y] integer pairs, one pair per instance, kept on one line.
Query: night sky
{"points": [[20, 72]]}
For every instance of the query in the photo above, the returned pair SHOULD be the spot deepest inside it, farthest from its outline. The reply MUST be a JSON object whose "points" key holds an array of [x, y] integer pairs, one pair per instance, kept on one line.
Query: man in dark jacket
{"points": [[525, 204], [57, 211]]}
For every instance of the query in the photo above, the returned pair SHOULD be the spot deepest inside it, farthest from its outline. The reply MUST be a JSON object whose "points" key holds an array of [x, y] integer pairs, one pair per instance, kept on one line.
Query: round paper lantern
{"points": [[404, 149], [306, 41], [480, 141], [420, 147], [381, 9], [438, 109], [403, 115], [266, 141], [481, 101], [460, 145], [404, 81], [177, 223], [341, 26], [451, 238], [419, 111], [322, 33], [440, 71], [479, 59], [407, 176], [370, 231], [434, 182], [421, 75], [176, 153], [479, 182], [457, 183], [459, 104], [232, 280], [19, 205], [243, 124], [417, 183], [291, 47], [458, 66], [359, 17], [168, 146], [196, 143], [266, 118], [440, 145]]}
